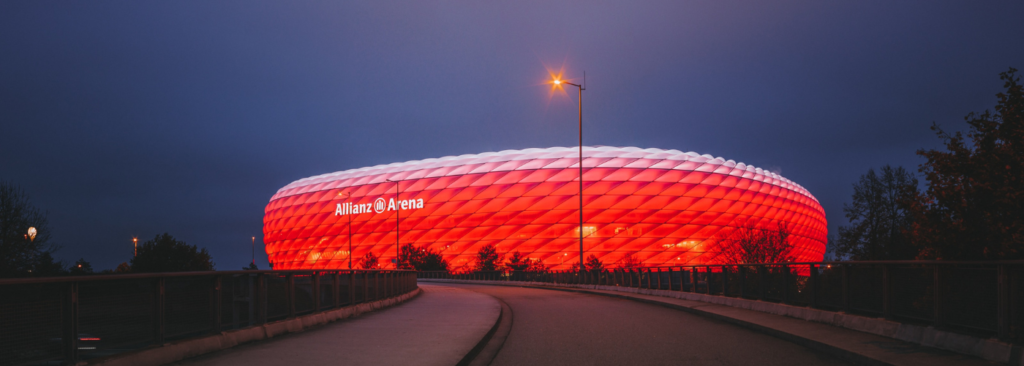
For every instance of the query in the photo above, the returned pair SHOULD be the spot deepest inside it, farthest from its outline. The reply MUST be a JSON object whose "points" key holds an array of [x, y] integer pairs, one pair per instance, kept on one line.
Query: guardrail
{"points": [[980, 298], [62, 320]]}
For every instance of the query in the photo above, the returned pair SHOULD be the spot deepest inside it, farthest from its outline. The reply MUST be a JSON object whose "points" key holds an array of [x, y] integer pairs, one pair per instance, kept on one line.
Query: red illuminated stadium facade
{"points": [[664, 207]]}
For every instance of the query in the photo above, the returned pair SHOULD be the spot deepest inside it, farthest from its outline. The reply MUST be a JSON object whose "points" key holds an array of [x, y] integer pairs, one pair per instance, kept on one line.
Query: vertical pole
{"points": [[351, 288], [70, 323], [693, 279], [316, 291], [336, 290], [670, 273], [581, 177], [659, 278], [290, 284], [159, 328], [725, 281], [742, 274], [217, 301], [762, 279], [812, 286], [1004, 315], [886, 292], [846, 287], [376, 285], [937, 292], [366, 286], [261, 298], [707, 279], [785, 284]]}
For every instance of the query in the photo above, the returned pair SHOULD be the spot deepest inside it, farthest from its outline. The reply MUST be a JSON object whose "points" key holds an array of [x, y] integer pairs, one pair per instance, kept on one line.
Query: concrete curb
{"points": [[987, 349], [180, 350], [473, 353]]}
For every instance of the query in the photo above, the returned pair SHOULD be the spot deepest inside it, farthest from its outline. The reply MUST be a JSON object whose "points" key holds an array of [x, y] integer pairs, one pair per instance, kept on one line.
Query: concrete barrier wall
{"points": [[180, 350]]}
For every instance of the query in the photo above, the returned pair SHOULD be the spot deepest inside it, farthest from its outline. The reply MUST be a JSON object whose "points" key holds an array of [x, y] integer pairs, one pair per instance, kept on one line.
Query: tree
{"points": [[488, 259], [370, 261], [19, 254], [880, 217], [166, 254], [518, 262], [973, 208], [250, 267], [630, 261], [752, 243], [46, 266], [423, 259], [123, 268], [593, 264], [81, 267]]}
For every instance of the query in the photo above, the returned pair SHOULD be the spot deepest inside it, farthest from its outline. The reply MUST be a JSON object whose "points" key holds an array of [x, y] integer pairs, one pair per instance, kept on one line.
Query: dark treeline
{"points": [[972, 205]]}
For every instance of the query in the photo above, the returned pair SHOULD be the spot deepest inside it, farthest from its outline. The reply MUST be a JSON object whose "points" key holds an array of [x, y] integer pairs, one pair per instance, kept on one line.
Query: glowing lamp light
{"points": [[558, 82], [32, 233]]}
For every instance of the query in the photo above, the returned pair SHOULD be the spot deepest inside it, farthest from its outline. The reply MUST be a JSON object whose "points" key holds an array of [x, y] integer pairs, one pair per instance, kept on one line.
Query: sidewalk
{"points": [[439, 327], [856, 346]]}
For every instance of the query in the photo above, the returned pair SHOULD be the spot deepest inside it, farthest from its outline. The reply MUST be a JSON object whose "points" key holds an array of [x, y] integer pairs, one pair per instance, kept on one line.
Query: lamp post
{"points": [[559, 82], [135, 241], [398, 225], [254, 251], [349, 195]]}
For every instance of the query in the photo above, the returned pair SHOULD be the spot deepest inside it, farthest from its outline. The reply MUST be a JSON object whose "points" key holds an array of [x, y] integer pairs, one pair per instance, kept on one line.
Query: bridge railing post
{"points": [[70, 323], [260, 297], [316, 290], [216, 300], [159, 319], [290, 290], [812, 286], [725, 281]]}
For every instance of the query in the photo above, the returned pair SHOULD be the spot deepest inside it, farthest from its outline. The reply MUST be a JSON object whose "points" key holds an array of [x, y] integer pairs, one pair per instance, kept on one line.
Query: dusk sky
{"points": [[128, 119]]}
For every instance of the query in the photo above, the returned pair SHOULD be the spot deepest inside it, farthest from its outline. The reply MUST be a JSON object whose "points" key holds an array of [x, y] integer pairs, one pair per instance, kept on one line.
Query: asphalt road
{"points": [[565, 328]]}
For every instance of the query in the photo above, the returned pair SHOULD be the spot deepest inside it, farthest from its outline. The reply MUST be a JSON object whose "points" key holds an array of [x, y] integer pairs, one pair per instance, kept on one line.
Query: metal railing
{"points": [[980, 298], [62, 320]]}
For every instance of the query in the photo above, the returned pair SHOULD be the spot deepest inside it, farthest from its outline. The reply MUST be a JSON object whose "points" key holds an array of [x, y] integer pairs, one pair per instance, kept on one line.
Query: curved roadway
{"points": [[566, 328]]}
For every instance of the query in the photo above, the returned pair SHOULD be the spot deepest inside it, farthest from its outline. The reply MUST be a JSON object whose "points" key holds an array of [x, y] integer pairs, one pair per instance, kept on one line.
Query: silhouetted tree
{"points": [[123, 268], [370, 261], [752, 243], [488, 259], [81, 267], [973, 208], [518, 262], [630, 261], [166, 254], [423, 259], [46, 266], [19, 254], [592, 264], [880, 217], [250, 267]]}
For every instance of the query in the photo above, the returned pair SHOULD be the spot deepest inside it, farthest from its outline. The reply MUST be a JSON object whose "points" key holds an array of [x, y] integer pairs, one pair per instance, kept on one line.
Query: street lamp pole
{"points": [[254, 251], [398, 225], [347, 196], [581, 89], [136, 242]]}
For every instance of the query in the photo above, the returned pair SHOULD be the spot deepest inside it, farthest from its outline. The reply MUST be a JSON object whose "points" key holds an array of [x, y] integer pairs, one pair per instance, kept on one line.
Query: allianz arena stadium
{"points": [[663, 207]]}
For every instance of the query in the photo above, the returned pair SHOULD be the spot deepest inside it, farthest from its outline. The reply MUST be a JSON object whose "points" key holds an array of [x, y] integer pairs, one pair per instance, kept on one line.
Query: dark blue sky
{"points": [[132, 118]]}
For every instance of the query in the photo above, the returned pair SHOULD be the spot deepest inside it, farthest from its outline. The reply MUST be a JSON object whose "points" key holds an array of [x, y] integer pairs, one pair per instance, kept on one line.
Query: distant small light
{"points": [[558, 82]]}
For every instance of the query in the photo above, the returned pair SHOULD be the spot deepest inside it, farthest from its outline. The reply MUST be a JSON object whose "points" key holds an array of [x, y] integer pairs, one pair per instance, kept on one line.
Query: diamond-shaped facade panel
{"points": [[666, 207]]}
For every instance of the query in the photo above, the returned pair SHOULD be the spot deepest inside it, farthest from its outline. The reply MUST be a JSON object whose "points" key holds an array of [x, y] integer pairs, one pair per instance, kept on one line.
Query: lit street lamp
{"points": [[135, 241], [31, 235], [559, 82]]}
